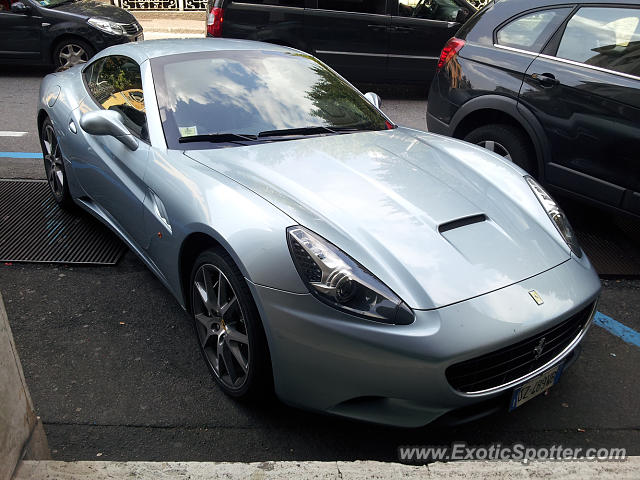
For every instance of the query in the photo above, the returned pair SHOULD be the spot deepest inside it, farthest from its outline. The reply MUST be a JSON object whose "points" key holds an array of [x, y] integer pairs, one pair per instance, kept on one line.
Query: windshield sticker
{"points": [[188, 131]]}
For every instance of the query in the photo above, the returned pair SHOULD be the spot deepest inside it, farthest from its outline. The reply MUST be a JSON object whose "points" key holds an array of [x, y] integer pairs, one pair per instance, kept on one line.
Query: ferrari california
{"points": [[348, 264]]}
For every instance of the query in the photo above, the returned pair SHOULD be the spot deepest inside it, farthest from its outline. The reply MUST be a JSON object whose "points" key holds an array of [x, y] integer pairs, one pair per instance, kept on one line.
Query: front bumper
{"points": [[329, 361], [102, 40]]}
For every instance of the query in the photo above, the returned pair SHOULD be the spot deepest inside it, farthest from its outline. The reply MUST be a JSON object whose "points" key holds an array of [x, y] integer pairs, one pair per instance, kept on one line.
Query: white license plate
{"points": [[535, 387]]}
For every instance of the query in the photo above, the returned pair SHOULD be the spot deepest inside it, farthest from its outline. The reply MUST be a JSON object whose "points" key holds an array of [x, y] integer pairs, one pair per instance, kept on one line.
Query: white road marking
{"points": [[8, 133]]}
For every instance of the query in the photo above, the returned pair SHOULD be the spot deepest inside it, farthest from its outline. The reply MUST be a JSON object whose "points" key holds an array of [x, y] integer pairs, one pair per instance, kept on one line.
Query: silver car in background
{"points": [[353, 266]]}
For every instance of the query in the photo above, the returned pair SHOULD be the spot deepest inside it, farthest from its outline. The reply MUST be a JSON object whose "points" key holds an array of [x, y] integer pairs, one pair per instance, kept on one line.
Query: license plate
{"points": [[535, 387]]}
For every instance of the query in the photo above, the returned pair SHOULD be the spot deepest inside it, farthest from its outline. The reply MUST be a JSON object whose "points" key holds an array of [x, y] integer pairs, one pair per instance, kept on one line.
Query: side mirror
{"points": [[108, 122], [19, 7], [462, 15], [374, 99]]}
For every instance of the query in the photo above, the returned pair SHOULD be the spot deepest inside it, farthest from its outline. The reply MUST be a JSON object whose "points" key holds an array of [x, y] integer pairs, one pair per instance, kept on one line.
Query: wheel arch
{"points": [[500, 109], [42, 116], [193, 245]]}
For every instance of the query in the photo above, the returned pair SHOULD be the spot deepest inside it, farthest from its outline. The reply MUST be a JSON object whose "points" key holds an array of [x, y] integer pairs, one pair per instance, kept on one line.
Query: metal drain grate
{"points": [[34, 229], [613, 252]]}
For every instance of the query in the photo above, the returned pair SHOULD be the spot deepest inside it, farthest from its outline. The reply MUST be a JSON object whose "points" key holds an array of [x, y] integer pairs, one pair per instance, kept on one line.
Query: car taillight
{"points": [[452, 47], [214, 22]]}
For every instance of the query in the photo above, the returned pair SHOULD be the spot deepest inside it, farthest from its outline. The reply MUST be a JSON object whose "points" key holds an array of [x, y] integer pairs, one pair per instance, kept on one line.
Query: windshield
{"points": [[54, 3], [249, 92]]}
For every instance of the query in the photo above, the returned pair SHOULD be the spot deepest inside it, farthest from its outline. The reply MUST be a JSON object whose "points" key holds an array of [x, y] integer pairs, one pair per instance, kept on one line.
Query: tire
{"points": [[70, 52], [54, 166], [507, 141], [229, 331]]}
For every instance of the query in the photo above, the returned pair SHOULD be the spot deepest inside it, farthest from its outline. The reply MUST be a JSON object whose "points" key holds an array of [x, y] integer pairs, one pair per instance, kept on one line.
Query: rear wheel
{"points": [[54, 165], [507, 141], [228, 327]]}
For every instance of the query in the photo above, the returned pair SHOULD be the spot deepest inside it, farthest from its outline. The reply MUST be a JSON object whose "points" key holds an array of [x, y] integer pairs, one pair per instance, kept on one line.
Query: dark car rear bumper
{"points": [[435, 125]]}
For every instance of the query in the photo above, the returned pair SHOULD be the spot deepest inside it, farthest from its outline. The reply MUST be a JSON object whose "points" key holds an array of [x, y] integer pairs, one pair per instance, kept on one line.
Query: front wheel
{"points": [[71, 52], [507, 141], [228, 327]]}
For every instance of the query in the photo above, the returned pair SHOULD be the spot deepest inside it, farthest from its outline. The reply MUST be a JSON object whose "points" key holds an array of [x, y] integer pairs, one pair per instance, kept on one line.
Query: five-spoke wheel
{"points": [[54, 164], [227, 325]]}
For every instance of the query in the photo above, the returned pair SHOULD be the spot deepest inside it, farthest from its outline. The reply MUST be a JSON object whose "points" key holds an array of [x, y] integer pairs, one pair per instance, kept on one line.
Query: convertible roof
{"points": [[161, 48]]}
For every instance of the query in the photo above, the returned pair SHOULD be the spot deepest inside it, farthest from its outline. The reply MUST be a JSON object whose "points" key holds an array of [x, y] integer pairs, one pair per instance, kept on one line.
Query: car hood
{"points": [[95, 8], [397, 200]]}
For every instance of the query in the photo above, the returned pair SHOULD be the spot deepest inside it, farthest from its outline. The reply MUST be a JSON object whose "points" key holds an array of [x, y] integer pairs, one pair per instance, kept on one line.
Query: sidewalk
{"points": [[171, 24], [52, 470]]}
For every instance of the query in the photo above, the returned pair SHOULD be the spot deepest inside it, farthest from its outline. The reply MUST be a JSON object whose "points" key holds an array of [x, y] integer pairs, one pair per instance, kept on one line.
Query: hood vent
{"points": [[462, 222]]}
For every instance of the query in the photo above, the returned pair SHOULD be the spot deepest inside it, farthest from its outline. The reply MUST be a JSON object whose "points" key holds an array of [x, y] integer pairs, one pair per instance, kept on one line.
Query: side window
{"points": [[278, 3], [445, 10], [532, 31], [358, 6], [604, 37], [116, 84]]}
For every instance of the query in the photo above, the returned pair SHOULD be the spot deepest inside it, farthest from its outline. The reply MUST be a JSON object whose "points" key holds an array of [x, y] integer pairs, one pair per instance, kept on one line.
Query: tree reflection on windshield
{"points": [[247, 92]]}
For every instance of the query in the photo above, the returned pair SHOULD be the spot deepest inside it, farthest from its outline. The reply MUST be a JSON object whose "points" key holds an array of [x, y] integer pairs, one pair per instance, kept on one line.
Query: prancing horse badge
{"points": [[536, 297]]}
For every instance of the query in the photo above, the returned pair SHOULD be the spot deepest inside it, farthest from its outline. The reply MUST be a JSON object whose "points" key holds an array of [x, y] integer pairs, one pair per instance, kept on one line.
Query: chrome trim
{"points": [[592, 67], [252, 5], [517, 50], [419, 57], [362, 14], [551, 363], [363, 54]]}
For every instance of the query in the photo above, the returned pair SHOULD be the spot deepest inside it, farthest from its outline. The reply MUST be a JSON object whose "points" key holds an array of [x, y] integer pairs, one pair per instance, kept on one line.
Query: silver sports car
{"points": [[353, 266]]}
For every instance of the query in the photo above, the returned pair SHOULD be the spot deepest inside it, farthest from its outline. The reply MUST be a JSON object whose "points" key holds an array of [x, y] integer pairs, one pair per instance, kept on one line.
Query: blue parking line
{"points": [[20, 155], [616, 328]]}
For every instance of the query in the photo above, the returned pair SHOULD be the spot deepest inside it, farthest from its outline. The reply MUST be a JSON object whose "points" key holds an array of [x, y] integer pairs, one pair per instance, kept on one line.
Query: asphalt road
{"points": [[115, 374]]}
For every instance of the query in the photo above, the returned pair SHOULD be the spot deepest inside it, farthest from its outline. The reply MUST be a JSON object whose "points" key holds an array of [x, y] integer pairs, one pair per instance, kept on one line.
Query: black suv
{"points": [[555, 87], [373, 41], [61, 32]]}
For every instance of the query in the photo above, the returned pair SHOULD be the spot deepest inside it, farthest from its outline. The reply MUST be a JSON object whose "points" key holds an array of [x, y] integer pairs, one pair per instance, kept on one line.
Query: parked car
{"points": [[373, 41], [61, 32], [555, 88], [360, 268]]}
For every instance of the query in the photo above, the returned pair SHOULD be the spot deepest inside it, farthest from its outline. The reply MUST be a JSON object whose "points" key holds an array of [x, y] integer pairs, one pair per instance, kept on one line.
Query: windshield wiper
{"points": [[296, 131], [219, 138], [318, 130]]}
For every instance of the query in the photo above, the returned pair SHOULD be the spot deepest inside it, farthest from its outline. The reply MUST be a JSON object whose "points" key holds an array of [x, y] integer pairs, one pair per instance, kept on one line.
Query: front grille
{"points": [[517, 360], [130, 28]]}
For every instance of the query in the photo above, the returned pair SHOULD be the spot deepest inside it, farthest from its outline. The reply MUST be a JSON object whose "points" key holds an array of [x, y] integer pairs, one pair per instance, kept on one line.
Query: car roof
{"points": [[160, 48]]}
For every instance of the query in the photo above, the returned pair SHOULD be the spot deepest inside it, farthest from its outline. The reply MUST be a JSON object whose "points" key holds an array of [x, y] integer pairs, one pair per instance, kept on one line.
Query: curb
{"points": [[54, 470]]}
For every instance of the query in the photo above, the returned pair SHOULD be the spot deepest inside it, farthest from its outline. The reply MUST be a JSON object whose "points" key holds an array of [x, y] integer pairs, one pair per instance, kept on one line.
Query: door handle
{"points": [[545, 79], [377, 28], [402, 29]]}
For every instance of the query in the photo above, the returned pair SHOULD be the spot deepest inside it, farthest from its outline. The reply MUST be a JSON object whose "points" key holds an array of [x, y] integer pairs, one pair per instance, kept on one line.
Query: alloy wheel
{"points": [[221, 326], [53, 162], [72, 54], [496, 148]]}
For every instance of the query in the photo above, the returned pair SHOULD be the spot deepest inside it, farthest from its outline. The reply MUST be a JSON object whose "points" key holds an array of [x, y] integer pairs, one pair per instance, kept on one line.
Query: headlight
{"points": [[338, 280], [106, 26], [556, 215]]}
